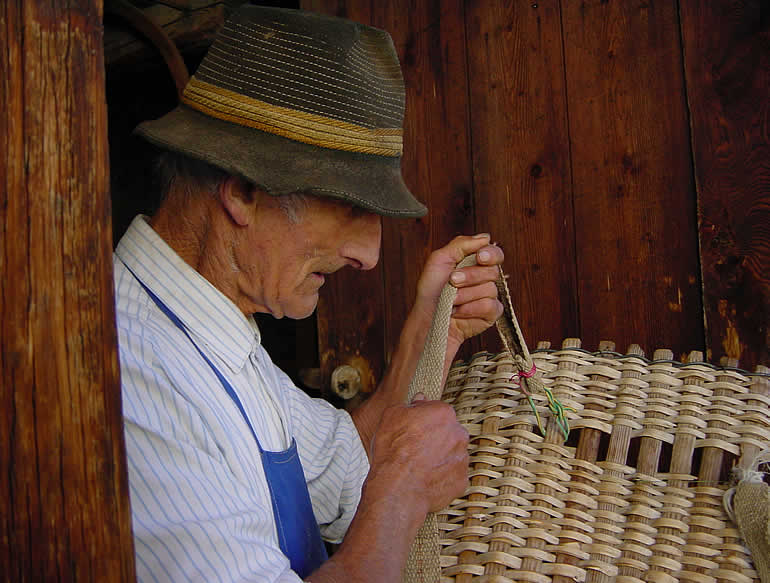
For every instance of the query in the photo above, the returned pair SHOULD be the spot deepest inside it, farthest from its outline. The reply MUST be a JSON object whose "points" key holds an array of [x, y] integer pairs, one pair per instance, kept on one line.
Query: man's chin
{"points": [[302, 310]]}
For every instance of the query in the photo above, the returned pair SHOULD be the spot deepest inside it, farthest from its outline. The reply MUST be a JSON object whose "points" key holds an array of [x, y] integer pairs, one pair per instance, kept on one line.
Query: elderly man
{"points": [[279, 165]]}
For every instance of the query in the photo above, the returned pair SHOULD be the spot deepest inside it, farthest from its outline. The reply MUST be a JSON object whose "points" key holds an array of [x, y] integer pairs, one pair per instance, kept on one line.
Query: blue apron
{"points": [[298, 532]]}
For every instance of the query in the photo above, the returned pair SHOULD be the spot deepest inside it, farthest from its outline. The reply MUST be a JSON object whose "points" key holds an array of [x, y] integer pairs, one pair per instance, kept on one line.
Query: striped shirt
{"points": [[199, 500]]}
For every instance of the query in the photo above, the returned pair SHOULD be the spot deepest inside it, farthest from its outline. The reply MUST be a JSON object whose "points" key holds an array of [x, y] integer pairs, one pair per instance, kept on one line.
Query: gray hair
{"points": [[294, 205], [186, 174], [190, 175]]}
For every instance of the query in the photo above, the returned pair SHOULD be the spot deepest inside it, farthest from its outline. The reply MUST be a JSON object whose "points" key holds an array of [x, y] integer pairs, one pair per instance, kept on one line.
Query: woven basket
{"points": [[635, 494]]}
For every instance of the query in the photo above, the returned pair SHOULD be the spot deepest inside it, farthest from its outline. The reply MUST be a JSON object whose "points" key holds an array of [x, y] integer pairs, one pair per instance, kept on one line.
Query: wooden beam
{"points": [[64, 507], [190, 29]]}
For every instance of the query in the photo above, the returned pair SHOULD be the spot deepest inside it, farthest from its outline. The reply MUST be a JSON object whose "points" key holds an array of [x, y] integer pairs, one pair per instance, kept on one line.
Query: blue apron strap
{"points": [[228, 387], [298, 533]]}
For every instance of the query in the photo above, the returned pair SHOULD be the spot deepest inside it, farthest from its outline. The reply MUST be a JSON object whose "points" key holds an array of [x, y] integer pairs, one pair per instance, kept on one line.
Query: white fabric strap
{"points": [[423, 564]]}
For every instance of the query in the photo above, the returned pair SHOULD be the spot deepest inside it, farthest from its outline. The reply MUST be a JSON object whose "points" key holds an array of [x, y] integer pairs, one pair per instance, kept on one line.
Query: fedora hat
{"points": [[297, 102]]}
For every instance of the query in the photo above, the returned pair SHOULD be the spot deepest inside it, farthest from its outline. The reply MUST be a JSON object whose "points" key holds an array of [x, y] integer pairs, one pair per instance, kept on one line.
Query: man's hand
{"points": [[419, 464], [476, 306], [420, 452]]}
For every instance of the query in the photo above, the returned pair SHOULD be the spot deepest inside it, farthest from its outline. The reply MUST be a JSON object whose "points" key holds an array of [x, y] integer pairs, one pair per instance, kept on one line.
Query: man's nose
{"points": [[363, 249]]}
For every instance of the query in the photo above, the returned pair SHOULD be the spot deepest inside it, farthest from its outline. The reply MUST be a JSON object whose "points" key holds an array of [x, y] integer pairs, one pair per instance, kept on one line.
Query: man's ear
{"points": [[238, 198]]}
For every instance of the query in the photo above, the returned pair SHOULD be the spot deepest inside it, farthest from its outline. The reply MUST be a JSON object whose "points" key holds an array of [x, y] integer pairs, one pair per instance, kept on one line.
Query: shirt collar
{"points": [[210, 317]]}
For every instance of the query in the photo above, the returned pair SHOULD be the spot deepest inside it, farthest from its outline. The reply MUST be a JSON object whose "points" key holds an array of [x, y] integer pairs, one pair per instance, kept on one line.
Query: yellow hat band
{"points": [[296, 125]]}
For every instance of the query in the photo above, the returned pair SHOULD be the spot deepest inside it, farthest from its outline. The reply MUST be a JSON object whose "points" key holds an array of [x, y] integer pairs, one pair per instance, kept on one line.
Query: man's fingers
{"points": [[463, 245], [487, 310], [472, 293], [490, 255], [473, 275]]}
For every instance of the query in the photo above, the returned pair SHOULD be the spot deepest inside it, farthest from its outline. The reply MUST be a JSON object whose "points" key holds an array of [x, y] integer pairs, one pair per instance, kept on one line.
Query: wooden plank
{"points": [[727, 65], [634, 203], [522, 187], [63, 495]]}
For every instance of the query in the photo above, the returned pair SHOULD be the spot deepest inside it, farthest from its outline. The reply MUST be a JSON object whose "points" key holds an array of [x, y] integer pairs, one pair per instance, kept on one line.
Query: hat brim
{"points": [[283, 166]]}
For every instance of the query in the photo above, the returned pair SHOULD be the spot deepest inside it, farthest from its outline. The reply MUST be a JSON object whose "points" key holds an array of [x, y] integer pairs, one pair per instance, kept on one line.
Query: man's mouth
{"points": [[327, 271]]}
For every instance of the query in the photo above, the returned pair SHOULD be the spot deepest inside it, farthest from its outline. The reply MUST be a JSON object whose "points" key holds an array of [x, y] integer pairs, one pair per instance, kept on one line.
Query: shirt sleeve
{"points": [[333, 458], [194, 519]]}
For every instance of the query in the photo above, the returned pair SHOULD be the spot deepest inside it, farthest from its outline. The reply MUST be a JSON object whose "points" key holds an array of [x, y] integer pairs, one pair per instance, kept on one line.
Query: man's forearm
{"points": [[377, 543]]}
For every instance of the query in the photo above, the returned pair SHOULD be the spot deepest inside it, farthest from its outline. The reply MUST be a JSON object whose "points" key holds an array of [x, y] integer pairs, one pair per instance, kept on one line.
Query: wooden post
{"points": [[64, 510]]}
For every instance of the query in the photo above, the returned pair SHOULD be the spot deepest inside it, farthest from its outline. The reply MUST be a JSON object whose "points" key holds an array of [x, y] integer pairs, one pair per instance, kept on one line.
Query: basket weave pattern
{"points": [[634, 495]]}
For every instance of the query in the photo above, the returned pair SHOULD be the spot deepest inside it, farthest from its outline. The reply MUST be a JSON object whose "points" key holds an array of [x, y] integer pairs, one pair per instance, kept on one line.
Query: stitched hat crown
{"points": [[297, 102], [323, 81]]}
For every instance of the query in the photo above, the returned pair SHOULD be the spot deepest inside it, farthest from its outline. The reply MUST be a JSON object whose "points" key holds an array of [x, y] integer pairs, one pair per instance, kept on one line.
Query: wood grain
{"points": [[727, 64], [63, 496], [635, 226], [521, 167]]}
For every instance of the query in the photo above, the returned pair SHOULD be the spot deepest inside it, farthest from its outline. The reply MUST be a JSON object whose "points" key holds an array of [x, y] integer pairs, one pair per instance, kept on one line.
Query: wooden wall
{"points": [[617, 150], [592, 139]]}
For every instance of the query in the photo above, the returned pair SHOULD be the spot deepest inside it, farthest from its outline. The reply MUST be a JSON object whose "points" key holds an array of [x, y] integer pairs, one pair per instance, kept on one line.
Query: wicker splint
{"points": [[636, 492]]}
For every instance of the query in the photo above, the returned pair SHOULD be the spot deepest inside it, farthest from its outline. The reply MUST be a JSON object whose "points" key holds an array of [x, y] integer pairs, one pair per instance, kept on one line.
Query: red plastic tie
{"points": [[526, 375], [530, 374]]}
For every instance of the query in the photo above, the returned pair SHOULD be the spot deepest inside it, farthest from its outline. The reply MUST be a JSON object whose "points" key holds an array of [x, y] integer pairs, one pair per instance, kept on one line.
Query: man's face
{"points": [[283, 263]]}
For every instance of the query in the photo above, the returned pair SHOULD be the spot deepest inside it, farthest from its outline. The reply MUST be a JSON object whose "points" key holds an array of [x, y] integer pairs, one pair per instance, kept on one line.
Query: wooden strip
{"points": [[635, 222], [588, 450], [727, 65], [707, 516], [507, 533], [647, 490], [540, 516], [617, 453], [650, 448], [760, 387], [64, 494], [489, 427], [521, 171], [673, 527], [712, 468]]}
